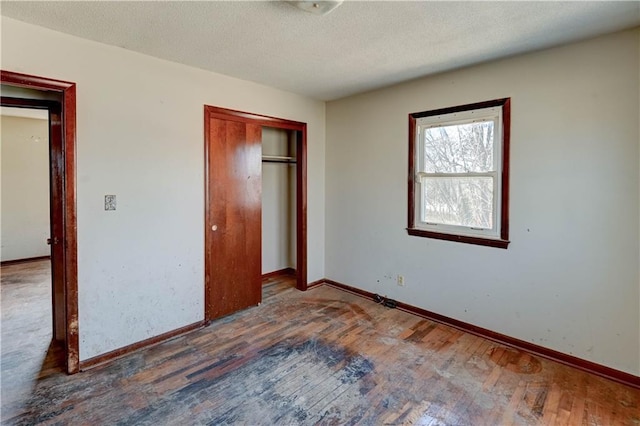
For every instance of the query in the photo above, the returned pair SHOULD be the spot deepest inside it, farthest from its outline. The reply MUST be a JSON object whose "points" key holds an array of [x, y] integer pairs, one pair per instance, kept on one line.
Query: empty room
{"points": [[320, 212]]}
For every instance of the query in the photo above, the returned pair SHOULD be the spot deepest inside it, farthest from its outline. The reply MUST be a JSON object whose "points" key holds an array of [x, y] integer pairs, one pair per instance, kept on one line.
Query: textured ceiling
{"points": [[358, 47]]}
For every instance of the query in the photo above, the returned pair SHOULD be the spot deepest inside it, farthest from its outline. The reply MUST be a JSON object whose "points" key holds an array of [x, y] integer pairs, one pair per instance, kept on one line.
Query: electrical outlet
{"points": [[400, 280]]}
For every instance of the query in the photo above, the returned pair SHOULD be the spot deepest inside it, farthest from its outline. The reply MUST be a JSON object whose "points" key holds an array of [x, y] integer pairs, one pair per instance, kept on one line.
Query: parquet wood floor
{"points": [[319, 357]]}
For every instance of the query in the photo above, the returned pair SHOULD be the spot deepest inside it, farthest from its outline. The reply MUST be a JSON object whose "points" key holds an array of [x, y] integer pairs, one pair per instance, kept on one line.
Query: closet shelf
{"points": [[278, 159]]}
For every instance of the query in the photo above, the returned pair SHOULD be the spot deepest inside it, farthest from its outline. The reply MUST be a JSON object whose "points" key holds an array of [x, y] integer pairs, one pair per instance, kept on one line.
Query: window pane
{"points": [[461, 201], [459, 148]]}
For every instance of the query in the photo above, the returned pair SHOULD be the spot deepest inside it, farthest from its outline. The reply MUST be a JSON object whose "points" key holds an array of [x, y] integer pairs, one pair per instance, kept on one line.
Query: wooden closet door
{"points": [[233, 218]]}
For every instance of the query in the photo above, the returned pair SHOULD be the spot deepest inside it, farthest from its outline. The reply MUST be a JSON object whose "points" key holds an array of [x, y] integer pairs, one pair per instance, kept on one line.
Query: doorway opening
{"points": [[278, 207], [29, 347], [236, 143], [58, 99]]}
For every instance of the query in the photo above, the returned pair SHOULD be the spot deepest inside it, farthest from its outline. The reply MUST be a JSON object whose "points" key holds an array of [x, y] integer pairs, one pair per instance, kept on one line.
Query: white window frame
{"points": [[498, 111], [458, 118]]}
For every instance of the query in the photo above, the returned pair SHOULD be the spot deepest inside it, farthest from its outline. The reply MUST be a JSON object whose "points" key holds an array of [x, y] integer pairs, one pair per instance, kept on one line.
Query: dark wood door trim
{"points": [[301, 181], [69, 238], [301, 209], [247, 117]]}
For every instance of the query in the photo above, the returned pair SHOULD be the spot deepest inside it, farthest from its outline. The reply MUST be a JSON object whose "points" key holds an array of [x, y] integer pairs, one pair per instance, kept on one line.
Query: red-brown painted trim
{"points": [[315, 284], [301, 180], [550, 354], [71, 229], [459, 238], [301, 208], [503, 242], [143, 344], [349, 289], [28, 103], [411, 176], [24, 260], [208, 244], [17, 79], [248, 117], [68, 91], [280, 272], [506, 164]]}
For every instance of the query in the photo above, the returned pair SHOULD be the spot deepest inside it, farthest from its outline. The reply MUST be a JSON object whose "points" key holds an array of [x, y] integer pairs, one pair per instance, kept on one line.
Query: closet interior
{"points": [[278, 201]]}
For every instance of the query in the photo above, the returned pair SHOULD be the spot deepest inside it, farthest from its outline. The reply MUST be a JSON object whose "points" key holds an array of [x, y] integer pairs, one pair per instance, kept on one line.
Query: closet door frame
{"points": [[301, 179]]}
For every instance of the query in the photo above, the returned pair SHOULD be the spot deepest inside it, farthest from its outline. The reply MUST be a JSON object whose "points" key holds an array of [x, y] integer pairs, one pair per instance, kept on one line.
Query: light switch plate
{"points": [[109, 202]]}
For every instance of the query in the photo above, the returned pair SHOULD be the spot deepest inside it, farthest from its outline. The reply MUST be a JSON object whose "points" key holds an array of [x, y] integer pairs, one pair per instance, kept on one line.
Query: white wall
{"points": [[569, 280], [278, 204], [25, 187], [140, 136]]}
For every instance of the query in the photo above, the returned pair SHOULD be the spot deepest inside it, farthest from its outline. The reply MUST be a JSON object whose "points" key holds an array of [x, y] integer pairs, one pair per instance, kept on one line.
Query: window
{"points": [[459, 173]]}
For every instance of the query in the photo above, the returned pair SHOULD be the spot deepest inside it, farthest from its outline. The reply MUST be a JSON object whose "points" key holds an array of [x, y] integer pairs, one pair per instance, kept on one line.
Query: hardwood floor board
{"points": [[156, 373], [508, 416], [466, 409], [576, 414], [173, 368], [330, 384], [286, 376], [437, 400], [325, 405], [465, 351], [380, 397], [450, 397]]}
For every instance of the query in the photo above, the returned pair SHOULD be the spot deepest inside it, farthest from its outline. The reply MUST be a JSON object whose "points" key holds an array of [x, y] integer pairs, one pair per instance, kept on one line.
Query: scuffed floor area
{"points": [[319, 357]]}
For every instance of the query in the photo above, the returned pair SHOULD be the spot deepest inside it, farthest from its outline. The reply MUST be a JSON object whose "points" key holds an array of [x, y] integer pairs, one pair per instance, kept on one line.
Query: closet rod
{"points": [[278, 159]]}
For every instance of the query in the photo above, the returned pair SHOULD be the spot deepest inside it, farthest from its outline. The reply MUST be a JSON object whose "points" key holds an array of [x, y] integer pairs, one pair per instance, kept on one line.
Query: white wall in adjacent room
{"points": [[24, 145]]}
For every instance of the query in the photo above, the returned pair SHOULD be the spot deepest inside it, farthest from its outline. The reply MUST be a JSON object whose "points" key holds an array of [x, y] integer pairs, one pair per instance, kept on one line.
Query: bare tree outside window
{"points": [[461, 149]]}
